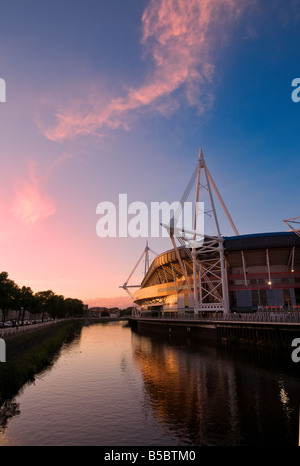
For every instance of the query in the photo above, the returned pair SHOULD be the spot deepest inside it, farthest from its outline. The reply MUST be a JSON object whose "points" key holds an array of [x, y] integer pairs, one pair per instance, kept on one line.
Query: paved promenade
{"points": [[8, 331]]}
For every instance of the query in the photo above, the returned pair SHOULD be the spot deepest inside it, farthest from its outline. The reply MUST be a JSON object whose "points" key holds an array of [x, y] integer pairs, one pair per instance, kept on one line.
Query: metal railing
{"points": [[280, 317], [6, 331], [269, 317]]}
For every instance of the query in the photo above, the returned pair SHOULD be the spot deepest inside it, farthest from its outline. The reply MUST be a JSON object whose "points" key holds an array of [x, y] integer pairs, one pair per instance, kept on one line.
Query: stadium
{"points": [[240, 273]]}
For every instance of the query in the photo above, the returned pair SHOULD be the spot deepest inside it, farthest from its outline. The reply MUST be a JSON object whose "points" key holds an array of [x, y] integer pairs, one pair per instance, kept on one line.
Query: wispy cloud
{"points": [[180, 39], [30, 204]]}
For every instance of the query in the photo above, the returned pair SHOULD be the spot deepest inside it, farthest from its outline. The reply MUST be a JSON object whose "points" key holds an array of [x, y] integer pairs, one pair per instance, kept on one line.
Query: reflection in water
{"points": [[205, 398], [112, 386], [8, 410]]}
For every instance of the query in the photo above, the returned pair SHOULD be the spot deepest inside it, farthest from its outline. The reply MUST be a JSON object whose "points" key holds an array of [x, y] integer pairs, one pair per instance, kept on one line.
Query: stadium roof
{"points": [[262, 241], [254, 247]]}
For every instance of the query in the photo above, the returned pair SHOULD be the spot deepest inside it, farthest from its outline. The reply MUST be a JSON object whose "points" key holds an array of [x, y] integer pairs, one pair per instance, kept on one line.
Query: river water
{"points": [[113, 387]]}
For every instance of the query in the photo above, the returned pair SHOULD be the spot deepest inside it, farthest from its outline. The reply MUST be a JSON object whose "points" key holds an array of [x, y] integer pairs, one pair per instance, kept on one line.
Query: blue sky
{"points": [[117, 97]]}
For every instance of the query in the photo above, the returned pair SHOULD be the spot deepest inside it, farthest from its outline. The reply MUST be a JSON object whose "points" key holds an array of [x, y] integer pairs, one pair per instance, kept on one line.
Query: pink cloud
{"points": [[30, 204], [180, 38]]}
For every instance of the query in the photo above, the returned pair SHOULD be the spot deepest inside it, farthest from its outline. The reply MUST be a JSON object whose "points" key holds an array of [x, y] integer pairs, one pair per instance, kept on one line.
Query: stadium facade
{"points": [[240, 273], [262, 273]]}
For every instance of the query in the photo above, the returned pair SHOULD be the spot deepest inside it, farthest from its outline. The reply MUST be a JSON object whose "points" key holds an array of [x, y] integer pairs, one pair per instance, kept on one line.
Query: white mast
{"points": [[211, 275]]}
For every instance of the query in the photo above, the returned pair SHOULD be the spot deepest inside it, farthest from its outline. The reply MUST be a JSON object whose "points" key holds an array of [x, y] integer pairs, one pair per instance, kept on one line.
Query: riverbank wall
{"points": [[278, 335]]}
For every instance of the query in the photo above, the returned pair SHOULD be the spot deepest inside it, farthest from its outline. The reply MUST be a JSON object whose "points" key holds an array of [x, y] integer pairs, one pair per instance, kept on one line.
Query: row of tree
{"points": [[21, 299]]}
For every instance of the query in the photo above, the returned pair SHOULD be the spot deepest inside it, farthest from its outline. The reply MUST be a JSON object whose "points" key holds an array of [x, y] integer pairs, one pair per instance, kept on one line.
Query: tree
{"points": [[22, 299], [73, 307], [26, 302], [43, 301], [127, 311], [9, 295], [56, 306]]}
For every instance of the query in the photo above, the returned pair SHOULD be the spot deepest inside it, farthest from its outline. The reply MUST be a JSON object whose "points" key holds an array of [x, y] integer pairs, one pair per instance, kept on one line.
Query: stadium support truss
{"points": [[126, 286], [209, 291], [208, 284], [293, 223]]}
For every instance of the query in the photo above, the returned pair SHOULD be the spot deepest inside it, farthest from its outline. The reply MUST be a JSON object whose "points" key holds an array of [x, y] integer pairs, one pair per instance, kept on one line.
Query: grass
{"points": [[30, 353]]}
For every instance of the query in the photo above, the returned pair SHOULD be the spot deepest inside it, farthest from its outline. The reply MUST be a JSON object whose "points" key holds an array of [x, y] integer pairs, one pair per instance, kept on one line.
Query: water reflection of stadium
{"points": [[203, 397]]}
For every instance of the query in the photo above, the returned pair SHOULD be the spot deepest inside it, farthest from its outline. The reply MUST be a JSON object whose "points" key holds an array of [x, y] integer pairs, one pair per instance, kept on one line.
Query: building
{"points": [[240, 273], [262, 272]]}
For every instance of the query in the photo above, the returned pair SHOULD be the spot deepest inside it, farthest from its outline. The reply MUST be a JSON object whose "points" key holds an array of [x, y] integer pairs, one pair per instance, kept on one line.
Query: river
{"points": [[113, 387]]}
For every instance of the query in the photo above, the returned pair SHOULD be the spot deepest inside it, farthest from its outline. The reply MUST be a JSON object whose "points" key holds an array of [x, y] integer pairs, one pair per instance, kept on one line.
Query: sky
{"points": [[108, 98]]}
